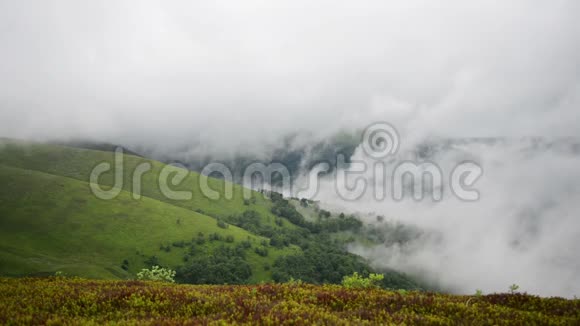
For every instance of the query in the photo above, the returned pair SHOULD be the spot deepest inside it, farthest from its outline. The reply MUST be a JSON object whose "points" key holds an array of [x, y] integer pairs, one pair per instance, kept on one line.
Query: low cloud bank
{"points": [[524, 229]]}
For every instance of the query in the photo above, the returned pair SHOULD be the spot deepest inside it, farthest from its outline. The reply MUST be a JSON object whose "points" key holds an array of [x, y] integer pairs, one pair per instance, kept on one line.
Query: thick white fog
{"points": [[220, 77], [229, 73], [524, 228]]}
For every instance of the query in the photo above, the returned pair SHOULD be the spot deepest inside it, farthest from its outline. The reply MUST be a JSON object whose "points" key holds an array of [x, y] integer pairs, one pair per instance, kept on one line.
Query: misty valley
{"points": [[268, 237], [290, 162]]}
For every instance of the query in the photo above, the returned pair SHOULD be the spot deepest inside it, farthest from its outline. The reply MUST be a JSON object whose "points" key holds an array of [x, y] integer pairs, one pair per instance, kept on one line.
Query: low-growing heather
{"points": [[60, 300]]}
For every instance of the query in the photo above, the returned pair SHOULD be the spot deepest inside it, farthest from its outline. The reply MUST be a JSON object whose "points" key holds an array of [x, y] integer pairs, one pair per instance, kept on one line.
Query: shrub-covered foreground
{"points": [[73, 301]]}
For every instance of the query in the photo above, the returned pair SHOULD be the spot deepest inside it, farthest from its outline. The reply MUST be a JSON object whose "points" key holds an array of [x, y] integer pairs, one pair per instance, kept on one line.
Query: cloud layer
{"points": [[170, 74], [523, 229]]}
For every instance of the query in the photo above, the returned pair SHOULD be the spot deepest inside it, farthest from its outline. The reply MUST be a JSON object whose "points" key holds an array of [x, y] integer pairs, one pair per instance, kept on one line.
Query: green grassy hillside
{"points": [[50, 221], [78, 163]]}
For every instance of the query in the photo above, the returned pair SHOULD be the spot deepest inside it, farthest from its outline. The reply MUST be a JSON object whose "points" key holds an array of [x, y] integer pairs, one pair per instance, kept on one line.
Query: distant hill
{"points": [[99, 146]]}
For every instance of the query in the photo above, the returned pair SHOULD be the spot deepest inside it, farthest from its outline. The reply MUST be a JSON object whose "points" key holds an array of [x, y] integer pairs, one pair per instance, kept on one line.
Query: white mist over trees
{"points": [[524, 228]]}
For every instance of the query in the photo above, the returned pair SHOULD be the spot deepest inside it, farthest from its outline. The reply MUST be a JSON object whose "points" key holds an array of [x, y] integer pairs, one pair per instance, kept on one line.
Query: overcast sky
{"points": [[229, 73]]}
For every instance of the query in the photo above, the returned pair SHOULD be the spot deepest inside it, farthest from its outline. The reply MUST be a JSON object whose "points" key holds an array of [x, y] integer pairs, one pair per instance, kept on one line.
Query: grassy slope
{"points": [[49, 219], [78, 163], [66, 301]]}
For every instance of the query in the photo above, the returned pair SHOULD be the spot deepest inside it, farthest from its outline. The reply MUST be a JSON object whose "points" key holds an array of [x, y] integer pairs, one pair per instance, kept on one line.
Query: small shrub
{"points": [[125, 265], [356, 281], [157, 274], [324, 213], [215, 237], [222, 224], [200, 238], [152, 261], [262, 251], [178, 244], [293, 281], [514, 288], [246, 244]]}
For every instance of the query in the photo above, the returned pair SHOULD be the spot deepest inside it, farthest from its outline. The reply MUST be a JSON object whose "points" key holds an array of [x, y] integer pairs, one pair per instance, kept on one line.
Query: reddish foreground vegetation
{"points": [[77, 301]]}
